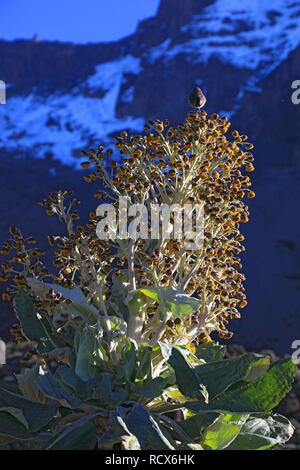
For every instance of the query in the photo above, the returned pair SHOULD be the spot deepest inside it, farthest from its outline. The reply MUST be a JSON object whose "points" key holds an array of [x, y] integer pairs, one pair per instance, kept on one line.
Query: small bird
{"points": [[197, 98]]}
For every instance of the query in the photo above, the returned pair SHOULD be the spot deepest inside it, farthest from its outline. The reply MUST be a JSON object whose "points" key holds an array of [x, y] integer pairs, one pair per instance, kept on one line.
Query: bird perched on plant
{"points": [[197, 98]]}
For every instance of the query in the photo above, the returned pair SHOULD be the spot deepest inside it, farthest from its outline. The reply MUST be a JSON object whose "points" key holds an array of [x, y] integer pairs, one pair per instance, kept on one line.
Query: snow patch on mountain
{"points": [[156, 53], [254, 35], [64, 124], [245, 33]]}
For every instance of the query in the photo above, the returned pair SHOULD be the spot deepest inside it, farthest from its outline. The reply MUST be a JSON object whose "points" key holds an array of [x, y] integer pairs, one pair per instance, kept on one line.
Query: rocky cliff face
{"points": [[244, 54]]}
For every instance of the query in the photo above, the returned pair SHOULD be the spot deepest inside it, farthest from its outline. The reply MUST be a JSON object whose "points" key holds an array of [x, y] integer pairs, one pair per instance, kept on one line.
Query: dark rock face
{"points": [[273, 118], [48, 67], [167, 95], [174, 13], [65, 97], [272, 262]]}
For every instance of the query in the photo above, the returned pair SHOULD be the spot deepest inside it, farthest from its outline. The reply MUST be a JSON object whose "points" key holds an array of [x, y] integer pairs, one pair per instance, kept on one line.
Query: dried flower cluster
{"points": [[194, 163]]}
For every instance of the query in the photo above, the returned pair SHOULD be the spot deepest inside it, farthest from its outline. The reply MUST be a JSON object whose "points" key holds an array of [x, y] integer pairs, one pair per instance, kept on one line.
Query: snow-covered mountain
{"points": [[227, 46], [64, 123], [245, 54]]}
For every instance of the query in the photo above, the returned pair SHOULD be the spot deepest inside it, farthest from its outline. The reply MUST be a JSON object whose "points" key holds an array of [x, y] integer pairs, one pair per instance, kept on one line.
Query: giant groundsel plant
{"points": [[121, 328]]}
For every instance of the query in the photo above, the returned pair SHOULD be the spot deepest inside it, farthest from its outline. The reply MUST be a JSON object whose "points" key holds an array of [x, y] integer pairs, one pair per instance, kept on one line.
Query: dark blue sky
{"points": [[73, 20]]}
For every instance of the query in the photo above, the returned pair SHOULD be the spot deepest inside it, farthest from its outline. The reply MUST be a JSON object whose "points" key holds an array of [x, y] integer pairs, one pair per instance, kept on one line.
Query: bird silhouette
{"points": [[197, 98]]}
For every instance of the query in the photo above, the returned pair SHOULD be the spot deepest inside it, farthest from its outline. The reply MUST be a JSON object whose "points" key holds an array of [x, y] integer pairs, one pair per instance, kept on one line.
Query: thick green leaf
{"points": [[196, 425], [10, 427], [223, 431], [187, 378], [26, 383], [258, 396], [219, 375], [16, 413], [175, 394], [34, 327], [258, 368], [179, 303], [118, 434], [150, 292], [71, 381], [263, 433], [143, 426], [86, 350], [36, 414], [210, 352], [75, 294], [52, 388], [79, 435], [89, 354], [144, 363], [169, 299], [150, 389], [129, 354], [103, 390], [119, 292], [166, 350], [136, 365], [118, 326]]}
